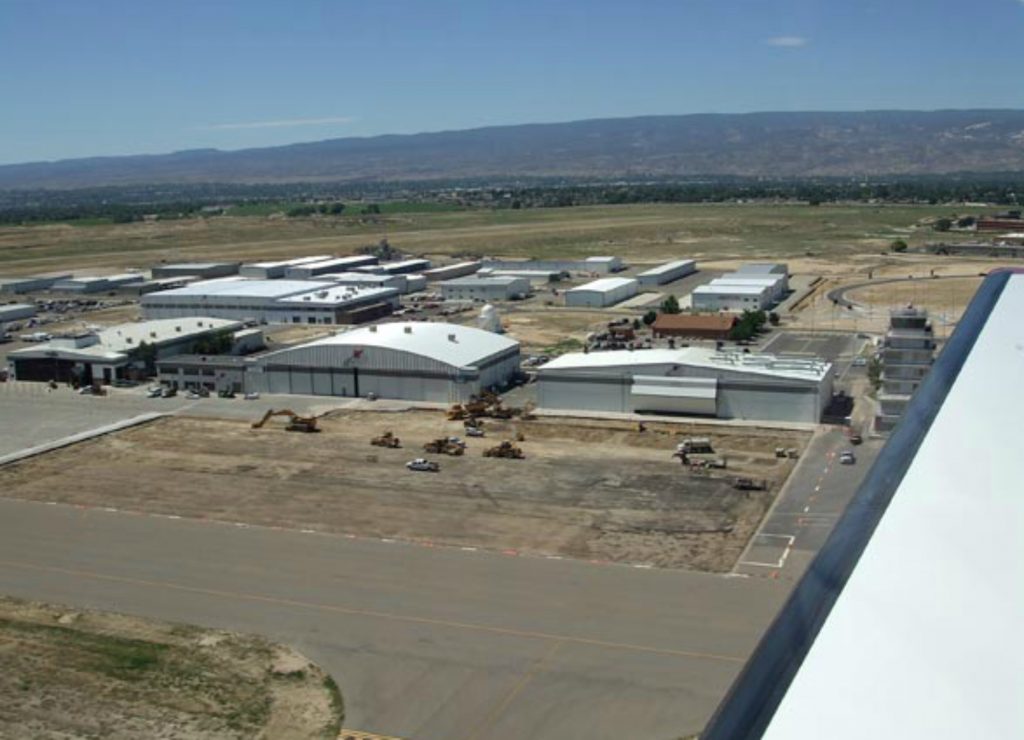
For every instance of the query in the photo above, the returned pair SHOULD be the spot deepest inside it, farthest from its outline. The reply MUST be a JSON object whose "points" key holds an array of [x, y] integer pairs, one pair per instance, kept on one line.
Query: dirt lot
{"points": [[599, 490], [148, 679]]}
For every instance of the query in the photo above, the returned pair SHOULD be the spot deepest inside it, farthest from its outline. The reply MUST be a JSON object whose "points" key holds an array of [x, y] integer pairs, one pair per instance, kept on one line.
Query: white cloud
{"points": [[791, 42], [277, 124]]}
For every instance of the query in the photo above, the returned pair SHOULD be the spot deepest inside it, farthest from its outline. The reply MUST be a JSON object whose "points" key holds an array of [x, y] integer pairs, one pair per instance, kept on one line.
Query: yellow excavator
{"points": [[296, 423]]}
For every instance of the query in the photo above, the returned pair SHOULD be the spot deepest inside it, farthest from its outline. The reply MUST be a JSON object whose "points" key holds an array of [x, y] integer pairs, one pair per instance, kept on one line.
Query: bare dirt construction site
{"points": [[145, 678], [587, 489]]}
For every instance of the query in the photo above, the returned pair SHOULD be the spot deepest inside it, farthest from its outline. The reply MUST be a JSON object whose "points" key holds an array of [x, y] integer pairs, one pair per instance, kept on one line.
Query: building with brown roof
{"points": [[699, 326]]}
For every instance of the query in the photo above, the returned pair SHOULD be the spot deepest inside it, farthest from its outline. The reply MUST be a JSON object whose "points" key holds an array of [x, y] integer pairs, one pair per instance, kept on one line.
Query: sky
{"points": [[104, 77]]}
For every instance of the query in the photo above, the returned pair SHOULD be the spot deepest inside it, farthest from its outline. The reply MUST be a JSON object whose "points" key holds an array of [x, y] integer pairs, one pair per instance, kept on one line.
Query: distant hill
{"points": [[755, 144]]}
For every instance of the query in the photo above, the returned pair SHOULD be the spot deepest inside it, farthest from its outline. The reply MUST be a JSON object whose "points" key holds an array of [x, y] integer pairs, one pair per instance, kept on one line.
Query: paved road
{"points": [[814, 497], [425, 643]]}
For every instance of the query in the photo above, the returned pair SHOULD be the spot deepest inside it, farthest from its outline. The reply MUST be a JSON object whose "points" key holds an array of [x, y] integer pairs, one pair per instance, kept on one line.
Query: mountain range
{"points": [[795, 145]]}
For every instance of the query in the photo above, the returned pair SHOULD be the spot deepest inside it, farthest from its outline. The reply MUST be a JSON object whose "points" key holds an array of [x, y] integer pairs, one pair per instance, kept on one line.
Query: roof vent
{"points": [[408, 330], [451, 338], [373, 328], [152, 335], [177, 328]]}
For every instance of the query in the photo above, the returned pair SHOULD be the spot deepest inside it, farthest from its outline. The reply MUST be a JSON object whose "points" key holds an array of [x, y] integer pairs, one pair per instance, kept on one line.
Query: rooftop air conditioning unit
{"points": [[373, 328], [408, 330], [451, 338]]}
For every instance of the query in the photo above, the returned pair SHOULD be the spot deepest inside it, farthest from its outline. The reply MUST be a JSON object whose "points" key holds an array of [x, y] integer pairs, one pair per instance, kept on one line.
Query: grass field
{"points": [[637, 232]]}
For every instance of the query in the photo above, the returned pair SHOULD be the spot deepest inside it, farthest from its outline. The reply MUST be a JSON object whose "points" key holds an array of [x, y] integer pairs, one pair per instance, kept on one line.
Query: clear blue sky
{"points": [[95, 77]]}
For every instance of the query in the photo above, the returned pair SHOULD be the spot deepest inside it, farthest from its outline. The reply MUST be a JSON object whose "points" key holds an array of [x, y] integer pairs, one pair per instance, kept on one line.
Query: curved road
{"points": [[838, 295]]}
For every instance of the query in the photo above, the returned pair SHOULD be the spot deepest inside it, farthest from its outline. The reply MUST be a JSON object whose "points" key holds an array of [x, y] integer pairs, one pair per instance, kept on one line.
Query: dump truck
{"points": [[295, 423], [507, 450], [386, 440], [787, 452]]}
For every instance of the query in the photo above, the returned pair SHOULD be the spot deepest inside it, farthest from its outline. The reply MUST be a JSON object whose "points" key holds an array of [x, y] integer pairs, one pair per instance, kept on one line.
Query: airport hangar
{"points": [[110, 354], [419, 361], [273, 301], [692, 381]]}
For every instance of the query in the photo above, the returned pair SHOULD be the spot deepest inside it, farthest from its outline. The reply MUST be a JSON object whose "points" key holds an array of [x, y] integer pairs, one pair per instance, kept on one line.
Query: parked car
{"points": [[169, 392], [847, 458], [252, 396], [474, 432], [155, 391], [425, 465], [859, 361]]}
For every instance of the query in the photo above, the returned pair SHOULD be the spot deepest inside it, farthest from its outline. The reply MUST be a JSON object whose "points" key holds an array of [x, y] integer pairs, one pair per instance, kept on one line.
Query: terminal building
{"points": [[486, 289], [417, 361], [666, 273], [690, 381], [602, 293], [112, 354], [273, 301]]}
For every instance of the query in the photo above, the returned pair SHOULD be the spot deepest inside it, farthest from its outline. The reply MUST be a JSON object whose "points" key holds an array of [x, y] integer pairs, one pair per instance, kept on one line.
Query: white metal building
{"points": [[776, 284], [16, 312], [325, 268], [402, 267], [587, 265], [449, 272], [766, 268], [536, 277], [276, 269], [96, 284], [369, 280], [485, 289], [666, 273], [692, 380], [417, 361], [202, 270], [273, 301], [32, 283], [602, 293], [733, 298]]}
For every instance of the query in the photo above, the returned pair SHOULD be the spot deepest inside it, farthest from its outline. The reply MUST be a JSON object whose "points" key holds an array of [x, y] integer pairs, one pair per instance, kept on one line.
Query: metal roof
{"points": [[764, 268], [454, 344], [245, 288], [290, 263], [908, 622], [667, 267], [483, 281], [730, 289], [604, 285], [759, 364], [339, 295]]}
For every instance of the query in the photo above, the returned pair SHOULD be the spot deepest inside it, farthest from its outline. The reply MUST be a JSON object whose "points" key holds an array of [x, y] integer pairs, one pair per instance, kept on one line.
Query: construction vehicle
{"points": [[386, 440], [295, 423], [424, 465], [787, 452], [445, 446], [750, 484], [507, 450], [695, 446]]}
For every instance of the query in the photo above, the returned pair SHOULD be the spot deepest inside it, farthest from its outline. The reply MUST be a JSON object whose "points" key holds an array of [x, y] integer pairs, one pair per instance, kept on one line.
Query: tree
{"points": [[898, 246], [773, 319], [372, 210], [650, 317], [670, 305], [875, 372], [942, 224], [636, 324], [146, 354]]}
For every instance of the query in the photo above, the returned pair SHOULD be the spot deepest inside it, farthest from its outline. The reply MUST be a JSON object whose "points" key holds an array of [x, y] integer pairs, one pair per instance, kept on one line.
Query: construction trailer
{"points": [[419, 361], [689, 381]]}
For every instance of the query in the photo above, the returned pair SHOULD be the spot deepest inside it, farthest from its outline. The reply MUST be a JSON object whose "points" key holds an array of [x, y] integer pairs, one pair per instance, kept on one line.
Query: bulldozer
{"points": [[296, 423], [445, 446], [386, 440], [507, 450]]}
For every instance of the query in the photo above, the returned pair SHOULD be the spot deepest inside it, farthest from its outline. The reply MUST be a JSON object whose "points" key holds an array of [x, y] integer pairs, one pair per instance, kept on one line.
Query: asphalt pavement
{"points": [[424, 642]]}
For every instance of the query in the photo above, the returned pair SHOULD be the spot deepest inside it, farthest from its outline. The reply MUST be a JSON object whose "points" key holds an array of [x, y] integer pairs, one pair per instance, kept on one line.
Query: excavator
{"points": [[296, 423], [386, 440]]}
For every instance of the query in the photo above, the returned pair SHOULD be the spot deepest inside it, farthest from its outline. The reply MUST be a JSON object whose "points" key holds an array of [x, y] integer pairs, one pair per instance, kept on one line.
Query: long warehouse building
{"points": [[692, 381], [273, 301], [666, 273], [421, 361]]}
